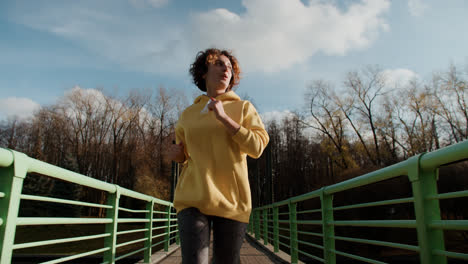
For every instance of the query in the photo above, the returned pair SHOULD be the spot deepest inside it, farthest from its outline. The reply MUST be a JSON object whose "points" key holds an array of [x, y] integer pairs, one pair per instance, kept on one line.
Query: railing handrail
{"points": [[14, 166], [422, 172], [427, 161], [7, 158]]}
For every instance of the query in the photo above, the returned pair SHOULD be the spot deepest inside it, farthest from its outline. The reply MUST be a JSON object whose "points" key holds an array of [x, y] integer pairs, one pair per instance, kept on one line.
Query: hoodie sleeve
{"points": [[251, 136], [180, 137]]}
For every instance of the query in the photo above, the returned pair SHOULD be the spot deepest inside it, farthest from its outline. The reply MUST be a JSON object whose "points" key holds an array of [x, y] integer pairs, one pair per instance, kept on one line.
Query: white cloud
{"points": [[153, 3], [78, 99], [275, 34], [96, 97], [399, 77], [18, 106], [416, 7], [271, 35], [277, 116], [142, 43], [158, 3]]}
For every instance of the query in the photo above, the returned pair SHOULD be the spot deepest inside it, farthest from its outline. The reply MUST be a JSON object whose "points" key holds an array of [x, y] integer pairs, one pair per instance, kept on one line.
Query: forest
{"points": [[343, 129], [361, 124]]}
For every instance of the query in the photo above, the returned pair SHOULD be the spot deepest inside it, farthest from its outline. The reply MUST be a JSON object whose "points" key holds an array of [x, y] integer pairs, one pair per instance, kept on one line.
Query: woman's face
{"points": [[219, 73]]}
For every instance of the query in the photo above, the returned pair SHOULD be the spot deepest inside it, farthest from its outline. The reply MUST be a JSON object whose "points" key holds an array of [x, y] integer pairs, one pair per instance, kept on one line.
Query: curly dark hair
{"points": [[209, 56]]}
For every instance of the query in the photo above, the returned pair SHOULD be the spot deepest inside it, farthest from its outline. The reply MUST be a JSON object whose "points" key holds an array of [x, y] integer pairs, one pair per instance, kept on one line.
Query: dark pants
{"points": [[194, 231]]}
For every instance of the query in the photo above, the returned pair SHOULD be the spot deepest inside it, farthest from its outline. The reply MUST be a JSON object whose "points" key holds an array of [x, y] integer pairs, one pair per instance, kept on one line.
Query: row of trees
{"points": [[116, 140], [385, 123], [359, 126], [364, 123], [343, 131]]}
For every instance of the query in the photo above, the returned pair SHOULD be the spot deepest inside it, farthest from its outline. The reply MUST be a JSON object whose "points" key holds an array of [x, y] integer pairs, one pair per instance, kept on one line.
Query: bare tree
{"points": [[164, 109], [387, 131], [124, 117], [450, 92], [327, 118], [364, 90]]}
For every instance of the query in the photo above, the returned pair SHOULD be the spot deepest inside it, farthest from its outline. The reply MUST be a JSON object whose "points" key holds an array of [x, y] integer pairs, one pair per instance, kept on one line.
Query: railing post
{"points": [[168, 229], [111, 228], [149, 231], [174, 174], [177, 234], [252, 222], [327, 229], [257, 224], [276, 229], [269, 173], [11, 184], [249, 226], [424, 184], [265, 226], [293, 230]]}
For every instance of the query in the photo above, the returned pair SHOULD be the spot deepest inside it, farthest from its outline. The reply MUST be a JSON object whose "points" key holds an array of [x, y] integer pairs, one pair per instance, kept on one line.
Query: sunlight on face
{"points": [[219, 74]]}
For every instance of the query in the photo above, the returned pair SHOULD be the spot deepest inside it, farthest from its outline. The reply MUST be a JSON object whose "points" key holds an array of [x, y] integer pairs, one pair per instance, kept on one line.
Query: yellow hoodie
{"points": [[214, 176]]}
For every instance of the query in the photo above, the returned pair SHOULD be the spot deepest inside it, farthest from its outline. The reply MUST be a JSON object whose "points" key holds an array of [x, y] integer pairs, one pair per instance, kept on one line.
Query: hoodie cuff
{"points": [[241, 135]]}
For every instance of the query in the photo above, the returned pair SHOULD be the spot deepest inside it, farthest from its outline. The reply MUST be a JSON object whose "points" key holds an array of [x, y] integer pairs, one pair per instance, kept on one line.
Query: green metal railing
{"points": [[422, 172], [14, 167]]}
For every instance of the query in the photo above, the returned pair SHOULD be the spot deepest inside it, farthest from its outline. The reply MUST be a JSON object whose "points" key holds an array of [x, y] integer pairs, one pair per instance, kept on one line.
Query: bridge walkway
{"points": [[252, 252]]}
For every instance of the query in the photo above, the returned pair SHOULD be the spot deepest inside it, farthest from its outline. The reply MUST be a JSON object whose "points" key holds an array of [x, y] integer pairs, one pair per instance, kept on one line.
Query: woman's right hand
{"points": [[176, 152]]}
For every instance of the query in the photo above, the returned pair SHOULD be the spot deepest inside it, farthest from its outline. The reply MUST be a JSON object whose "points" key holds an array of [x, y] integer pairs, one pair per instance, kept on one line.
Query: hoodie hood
{"points": [[225, 97]]}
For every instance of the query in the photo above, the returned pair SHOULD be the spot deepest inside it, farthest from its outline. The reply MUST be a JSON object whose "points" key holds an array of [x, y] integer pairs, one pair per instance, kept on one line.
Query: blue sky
{"points": [[49, 47]]}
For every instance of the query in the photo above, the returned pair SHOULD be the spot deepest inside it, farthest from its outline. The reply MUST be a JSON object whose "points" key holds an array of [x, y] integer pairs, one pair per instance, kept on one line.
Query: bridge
{"points": [[251, 253], [310, 228]]}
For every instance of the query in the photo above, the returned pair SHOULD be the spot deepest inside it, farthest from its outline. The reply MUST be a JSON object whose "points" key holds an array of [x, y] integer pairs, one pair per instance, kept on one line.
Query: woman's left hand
{"points": [[217, 107]]}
